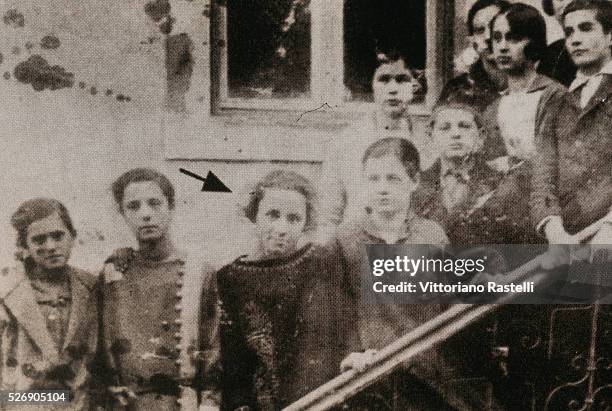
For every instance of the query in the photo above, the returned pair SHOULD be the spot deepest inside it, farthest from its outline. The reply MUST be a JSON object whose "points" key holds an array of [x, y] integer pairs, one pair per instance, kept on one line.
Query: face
{"points": [[481, 38], [280, 221], [509, 51], [389, 186], [455, 132], [146, 211], [49, 242], [558, 7], [586, 42], [393, 87]]}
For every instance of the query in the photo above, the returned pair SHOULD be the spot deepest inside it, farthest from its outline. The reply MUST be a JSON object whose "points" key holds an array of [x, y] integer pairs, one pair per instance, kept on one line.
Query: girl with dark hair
{"points": [[282, 332], [515, 119], [151, 300], [47, 309]]}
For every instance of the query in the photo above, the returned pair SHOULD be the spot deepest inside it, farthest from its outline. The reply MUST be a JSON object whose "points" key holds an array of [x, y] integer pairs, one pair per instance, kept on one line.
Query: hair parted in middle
{"points": [[526, 22], [284, 180]]}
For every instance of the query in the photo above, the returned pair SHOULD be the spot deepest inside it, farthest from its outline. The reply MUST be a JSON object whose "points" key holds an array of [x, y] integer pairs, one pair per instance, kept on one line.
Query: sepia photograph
{"points": [[261, 205]]}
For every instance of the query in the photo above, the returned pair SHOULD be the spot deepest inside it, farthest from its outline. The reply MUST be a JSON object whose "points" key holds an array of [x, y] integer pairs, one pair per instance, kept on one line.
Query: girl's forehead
{"points": [[50, 223], [140, 189], [282, 196], [393, 67]]}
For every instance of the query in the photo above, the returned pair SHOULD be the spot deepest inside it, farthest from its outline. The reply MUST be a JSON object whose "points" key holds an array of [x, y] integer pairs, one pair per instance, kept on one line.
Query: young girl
{"points": [[390, 174], [281, 333], [47, 309], [150, 298], [393, 84]]}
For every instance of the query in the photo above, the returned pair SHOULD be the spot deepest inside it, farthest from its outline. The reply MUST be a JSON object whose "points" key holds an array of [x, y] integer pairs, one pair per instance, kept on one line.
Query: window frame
{"points": [[264, 130], [327, 60]]}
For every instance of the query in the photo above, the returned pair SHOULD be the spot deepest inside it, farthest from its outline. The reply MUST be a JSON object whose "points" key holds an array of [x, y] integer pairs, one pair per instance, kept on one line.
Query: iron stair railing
{"points": [[335, 392]]}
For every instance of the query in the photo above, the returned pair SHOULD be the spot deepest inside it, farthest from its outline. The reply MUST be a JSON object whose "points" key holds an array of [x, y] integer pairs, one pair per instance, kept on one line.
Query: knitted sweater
{"points": [[281, 333]]}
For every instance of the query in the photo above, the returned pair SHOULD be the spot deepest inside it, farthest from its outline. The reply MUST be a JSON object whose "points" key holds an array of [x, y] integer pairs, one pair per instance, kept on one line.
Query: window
{"points": [[372, 27], [293, 54]]}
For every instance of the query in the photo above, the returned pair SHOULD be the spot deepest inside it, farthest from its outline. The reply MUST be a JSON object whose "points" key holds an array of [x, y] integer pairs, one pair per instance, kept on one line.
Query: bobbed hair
{"points": [[526, 22], [137, 175], [38, 209], [283, 180], [401, 148]]}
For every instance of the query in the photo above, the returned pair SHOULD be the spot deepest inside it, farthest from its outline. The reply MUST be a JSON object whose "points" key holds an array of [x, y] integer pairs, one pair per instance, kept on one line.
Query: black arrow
{"points": [[211, 182]]}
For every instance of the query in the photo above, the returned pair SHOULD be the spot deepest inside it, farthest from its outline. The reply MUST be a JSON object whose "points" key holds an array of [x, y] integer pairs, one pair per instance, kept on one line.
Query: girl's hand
{"points": [[358, 361], [121, 394]]}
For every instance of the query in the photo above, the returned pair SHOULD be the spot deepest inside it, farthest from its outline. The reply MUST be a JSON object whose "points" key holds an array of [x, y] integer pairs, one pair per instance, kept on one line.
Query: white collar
{"points": [[581, 79]]}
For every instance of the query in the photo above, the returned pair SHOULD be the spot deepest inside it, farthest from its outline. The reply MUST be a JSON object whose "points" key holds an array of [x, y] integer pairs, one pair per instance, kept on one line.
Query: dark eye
{"points": [[587, 26], [133, 205], [273, 214], [497, 36], [373, 177], [58, 235], [384, 78], [479, 30], [403, 78], [465, 125], [393, 178], [155, 203], [444, 126], [39, 239], [568, 31], [294, 218]]}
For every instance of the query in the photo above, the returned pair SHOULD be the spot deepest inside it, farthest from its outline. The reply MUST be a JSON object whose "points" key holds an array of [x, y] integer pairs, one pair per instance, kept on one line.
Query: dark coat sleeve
{"points": [[544, 199]]}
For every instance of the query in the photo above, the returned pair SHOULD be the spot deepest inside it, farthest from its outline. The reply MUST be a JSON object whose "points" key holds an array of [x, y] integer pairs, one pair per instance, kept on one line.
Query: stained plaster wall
{"points": [[70, 143]]}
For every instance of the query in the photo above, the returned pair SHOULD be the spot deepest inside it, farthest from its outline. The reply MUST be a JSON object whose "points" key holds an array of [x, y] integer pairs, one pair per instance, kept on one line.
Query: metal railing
{"points": [[337, 391]]}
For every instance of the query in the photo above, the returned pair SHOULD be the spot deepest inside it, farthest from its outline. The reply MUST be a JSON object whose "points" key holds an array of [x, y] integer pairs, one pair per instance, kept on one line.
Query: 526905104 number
{"points": [[34, 397]]}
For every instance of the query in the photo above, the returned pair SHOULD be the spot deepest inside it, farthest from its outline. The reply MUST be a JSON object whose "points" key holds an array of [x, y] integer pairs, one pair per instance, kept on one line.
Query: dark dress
{"points": [[281, 332], [146, 328]]}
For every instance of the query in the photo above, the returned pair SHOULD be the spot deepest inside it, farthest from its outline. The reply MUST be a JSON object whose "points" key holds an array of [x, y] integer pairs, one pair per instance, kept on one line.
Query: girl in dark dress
{"points": [[150, 307], [280, 330]]}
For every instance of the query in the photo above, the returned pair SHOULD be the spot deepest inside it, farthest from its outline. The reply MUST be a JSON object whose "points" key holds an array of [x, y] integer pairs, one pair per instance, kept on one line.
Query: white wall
{"points": [[70, 145]]}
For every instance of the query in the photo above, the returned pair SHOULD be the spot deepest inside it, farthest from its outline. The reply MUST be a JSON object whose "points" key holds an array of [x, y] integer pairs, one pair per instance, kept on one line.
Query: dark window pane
{"points": [[268, 48], [372, 27]]}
